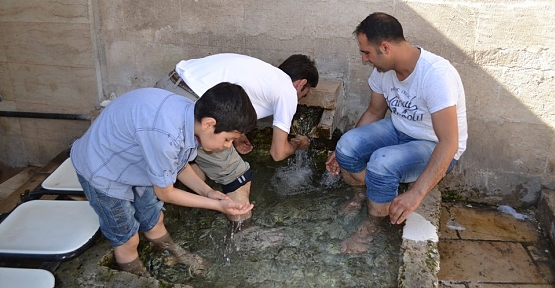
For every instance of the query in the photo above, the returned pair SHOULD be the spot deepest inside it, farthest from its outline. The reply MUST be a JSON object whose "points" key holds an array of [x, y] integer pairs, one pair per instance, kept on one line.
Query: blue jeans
{"points": [[121, 219], [389, 157]]}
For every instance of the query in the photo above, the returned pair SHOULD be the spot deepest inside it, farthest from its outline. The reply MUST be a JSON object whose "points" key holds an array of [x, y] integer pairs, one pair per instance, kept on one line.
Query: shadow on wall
{"points": [[510, 150], [8, 172]]}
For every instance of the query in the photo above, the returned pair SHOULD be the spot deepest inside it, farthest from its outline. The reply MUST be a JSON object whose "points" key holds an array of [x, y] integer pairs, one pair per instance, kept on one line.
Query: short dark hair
{"points": [[230, 105], [380, 27], [299, 67]]}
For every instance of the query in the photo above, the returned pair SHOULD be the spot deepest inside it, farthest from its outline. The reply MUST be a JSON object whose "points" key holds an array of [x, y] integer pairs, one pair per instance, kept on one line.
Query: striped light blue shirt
{"points": [[142, 138]]}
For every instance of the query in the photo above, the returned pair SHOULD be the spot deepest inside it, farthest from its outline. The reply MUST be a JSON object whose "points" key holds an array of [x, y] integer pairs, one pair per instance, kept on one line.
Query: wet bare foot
{"points": [[241, 195], [197, 265], [238, 220], [135, 267], [352, 207], [359, 242]]}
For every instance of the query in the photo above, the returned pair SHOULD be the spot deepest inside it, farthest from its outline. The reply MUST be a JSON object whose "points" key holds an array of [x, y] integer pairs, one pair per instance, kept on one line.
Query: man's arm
{"points": [[210, 199], [242, 144], [282, 147], [446, 128], [376, 110]]}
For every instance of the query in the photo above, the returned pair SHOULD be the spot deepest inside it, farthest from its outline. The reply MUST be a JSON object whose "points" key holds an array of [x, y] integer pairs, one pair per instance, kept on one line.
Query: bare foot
{"points": [[359, 242], [197, 265], [241, 195], [135, 267], [352, 207]]}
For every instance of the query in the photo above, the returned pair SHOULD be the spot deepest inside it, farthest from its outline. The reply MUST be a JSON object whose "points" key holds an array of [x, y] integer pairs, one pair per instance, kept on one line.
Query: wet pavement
{"points": [[494, 249], [485, 248], [294, 239]]}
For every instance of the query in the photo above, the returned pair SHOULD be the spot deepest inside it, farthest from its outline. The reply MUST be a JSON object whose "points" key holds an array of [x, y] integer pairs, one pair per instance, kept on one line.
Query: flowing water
{"points": [[293, 240]]}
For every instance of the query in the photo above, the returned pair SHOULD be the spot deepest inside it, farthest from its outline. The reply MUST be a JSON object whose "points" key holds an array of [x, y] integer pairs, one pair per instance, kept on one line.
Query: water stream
{"points": [[293, 240]]}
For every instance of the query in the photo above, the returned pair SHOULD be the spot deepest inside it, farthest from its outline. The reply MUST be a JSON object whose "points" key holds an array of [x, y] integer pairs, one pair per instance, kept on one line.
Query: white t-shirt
{"points": [[433, 85], [271, 90]]}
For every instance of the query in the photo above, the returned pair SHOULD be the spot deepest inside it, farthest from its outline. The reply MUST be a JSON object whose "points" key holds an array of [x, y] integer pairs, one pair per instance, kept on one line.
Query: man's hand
{"points": [[331, 164], [300, 142], [403, 205], [243, 145]]}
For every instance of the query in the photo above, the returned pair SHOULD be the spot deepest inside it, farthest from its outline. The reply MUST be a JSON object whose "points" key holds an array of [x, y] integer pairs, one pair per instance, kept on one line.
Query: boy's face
{"points": [[210, 141], [213, 141]]}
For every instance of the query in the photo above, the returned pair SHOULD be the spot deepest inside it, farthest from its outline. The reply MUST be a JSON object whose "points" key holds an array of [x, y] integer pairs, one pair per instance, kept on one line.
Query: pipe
{"points": [[40, 115]]}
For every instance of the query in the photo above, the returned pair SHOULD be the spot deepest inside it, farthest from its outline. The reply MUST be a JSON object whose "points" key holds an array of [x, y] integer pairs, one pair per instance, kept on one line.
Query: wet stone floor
{"points": [[482, 247], [293, 240]]}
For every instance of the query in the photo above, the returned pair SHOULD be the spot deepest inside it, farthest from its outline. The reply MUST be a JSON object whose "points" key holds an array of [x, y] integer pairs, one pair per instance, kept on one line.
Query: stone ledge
{"points": [[325, 94], [419, 254], [329, 95]]}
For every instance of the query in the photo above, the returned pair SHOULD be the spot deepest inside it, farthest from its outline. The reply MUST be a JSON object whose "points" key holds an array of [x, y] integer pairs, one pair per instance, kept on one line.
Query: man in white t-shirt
{"points": [[421, 141], [272, 91]]}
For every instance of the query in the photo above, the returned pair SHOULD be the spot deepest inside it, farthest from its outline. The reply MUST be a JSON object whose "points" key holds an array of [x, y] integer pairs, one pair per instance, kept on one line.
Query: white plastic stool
{"points": [[26, 278], [46, 230], [50, 230], [64, 178]]}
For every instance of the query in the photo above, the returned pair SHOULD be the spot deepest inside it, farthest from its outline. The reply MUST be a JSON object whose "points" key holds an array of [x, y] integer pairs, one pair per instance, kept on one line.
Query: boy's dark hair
{"points": [[230, 105], [379, 27], [300, 66]]}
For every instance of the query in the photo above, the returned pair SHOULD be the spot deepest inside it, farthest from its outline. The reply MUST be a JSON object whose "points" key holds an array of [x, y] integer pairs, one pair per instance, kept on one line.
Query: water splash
{"points": [[330, 180], [296, 177]]}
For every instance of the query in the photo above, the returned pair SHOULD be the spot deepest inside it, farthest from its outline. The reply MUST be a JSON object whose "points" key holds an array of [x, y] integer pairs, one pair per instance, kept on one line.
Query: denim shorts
{"points": [[121, 219], [390, 157]]}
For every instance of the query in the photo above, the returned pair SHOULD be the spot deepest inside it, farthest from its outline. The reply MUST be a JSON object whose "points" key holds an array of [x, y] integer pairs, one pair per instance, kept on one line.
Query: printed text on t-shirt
{"points": [[403, 108]]}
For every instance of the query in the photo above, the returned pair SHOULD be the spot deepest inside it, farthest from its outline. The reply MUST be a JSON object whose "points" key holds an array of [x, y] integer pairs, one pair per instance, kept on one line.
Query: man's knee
{"points": [[353, 179], [349, 162], [383, 162], [346, 145]]}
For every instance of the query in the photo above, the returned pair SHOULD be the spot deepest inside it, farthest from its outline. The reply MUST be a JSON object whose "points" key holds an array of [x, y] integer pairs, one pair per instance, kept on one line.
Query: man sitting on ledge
{"points": [[420, 143]]}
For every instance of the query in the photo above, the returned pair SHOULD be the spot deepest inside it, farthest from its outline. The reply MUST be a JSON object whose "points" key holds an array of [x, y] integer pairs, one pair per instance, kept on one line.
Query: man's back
{"points": [[269, 88]]}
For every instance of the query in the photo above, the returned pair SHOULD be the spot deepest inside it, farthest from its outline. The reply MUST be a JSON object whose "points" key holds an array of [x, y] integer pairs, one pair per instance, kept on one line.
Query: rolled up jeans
{"points": [[390, 157]]}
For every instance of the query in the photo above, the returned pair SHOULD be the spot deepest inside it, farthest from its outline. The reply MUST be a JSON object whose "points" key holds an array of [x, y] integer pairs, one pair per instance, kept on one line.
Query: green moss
{"points": [[164, 284], [452, 195], [431, 256], [107, 276]]}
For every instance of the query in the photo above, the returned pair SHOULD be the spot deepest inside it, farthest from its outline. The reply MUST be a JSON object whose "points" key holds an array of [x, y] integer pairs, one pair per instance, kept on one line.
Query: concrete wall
{"points": [[47, 64], [502, 49]]}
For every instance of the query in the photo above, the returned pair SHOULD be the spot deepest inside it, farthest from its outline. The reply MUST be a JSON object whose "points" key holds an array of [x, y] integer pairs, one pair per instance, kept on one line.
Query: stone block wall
{"points": [[47, 65], [67, 56]]}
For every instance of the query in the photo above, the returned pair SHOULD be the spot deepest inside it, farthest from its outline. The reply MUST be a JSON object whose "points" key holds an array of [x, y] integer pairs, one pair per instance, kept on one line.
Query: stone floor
{"points": [[494, 249]]}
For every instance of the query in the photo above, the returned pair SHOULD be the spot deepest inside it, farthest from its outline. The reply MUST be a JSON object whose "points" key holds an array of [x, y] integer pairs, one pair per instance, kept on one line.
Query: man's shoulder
{"points": [[434, 59]]}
